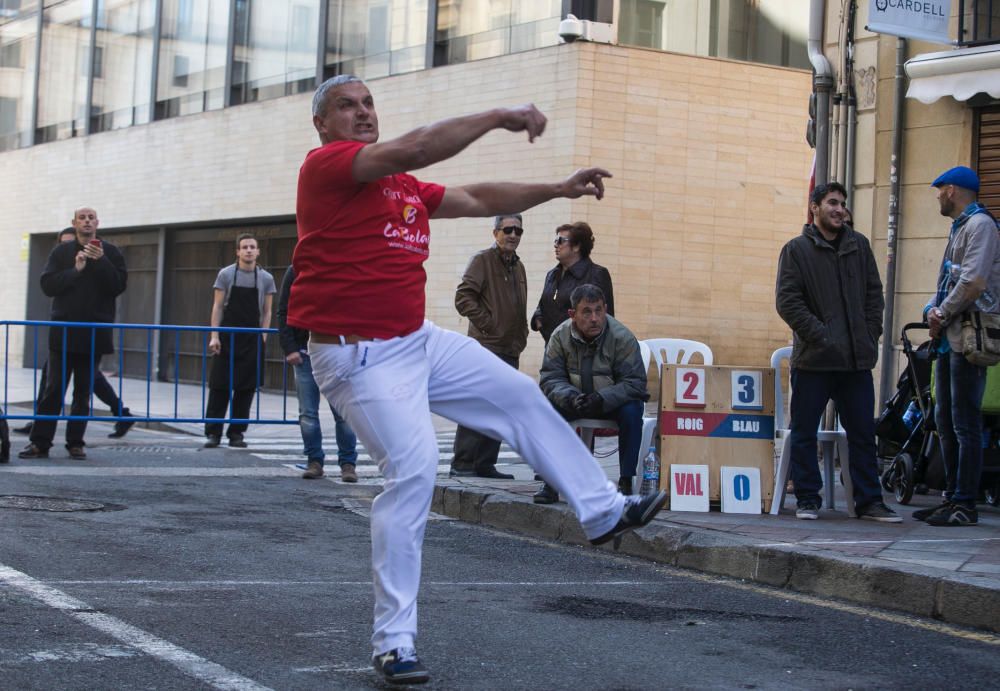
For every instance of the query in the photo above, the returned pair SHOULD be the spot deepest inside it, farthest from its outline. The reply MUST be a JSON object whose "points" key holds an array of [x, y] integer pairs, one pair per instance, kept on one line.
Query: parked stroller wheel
{"points": [[903, 470], [993, 494], [888, 478]]}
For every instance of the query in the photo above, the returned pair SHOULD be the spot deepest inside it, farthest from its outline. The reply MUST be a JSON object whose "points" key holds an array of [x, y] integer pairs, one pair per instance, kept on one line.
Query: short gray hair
{"points": [[499, 219], [587, 292], [319, 98]]}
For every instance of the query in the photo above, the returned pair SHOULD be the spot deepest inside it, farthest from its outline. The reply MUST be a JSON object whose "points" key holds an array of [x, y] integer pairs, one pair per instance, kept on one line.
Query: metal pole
{"points": [[227, 93], [321, 40], [161, 249], [432, 21], [822, 85], [89, 102], [155, 67], [36, 79], [895, 168]]}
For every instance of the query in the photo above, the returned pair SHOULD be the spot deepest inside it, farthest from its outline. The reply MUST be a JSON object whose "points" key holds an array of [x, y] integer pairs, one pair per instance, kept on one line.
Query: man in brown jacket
{"points": [[493, 296]]}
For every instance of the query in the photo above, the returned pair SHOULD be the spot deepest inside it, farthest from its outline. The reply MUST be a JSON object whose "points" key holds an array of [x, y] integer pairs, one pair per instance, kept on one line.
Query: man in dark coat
{"points": [[829, 292], [83, 278]]}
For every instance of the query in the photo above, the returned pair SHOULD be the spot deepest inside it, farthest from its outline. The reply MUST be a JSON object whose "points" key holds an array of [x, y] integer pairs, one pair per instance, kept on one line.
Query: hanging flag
{"points": [[926, 20]]}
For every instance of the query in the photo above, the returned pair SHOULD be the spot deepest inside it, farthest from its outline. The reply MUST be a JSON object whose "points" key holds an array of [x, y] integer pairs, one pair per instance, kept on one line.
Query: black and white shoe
{"points": [[639, 510], [955, 515], [401, 666], [924, 514]]}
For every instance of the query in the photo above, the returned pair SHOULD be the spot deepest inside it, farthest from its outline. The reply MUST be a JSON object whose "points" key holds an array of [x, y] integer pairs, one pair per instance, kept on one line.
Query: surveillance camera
{"points": [[570, 29]]}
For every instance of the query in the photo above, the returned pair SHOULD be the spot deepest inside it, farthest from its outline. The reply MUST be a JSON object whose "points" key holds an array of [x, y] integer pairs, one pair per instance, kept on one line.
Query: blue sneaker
{"points": [[401, 666]]}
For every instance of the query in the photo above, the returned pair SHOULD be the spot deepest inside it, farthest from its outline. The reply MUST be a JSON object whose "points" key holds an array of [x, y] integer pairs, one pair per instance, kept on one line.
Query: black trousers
{"points": [[216, 407], [475, 451], [102, 389], [78, 366]]}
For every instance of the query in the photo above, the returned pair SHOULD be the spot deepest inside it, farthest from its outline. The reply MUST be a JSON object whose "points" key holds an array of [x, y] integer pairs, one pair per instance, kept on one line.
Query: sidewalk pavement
{"points": [[951, 574]]}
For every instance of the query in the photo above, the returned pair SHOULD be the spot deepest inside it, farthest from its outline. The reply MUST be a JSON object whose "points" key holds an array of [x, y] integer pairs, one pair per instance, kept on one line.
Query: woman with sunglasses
{"points": [[572, 244]]}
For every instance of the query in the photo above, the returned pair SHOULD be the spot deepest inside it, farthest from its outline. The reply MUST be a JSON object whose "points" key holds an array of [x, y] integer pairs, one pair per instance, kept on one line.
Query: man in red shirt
{"points": [[363, 236]]}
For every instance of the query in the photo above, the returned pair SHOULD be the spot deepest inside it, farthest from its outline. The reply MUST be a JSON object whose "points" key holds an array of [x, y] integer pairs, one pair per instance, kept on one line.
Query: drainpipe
{"points": [[822, 85], [895, 168], [852, 103]]}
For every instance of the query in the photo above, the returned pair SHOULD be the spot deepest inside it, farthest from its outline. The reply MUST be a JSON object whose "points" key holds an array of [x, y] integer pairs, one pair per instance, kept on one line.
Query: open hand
{"points": [[585, 181], [524, 118]]}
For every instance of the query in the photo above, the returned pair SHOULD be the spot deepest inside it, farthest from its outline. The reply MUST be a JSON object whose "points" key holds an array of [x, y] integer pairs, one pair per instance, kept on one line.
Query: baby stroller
{"points": [[907, 446]]}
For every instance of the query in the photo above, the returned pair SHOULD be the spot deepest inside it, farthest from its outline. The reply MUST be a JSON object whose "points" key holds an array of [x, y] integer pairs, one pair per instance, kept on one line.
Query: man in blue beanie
{"points": [[969, 280]]}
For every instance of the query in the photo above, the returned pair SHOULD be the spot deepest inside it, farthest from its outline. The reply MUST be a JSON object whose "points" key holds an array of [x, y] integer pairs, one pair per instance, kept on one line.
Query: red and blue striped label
{"points": [[675, 423]]}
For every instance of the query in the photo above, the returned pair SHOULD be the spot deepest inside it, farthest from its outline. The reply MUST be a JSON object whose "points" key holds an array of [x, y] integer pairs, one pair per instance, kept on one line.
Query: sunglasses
{"points": [[517, 230], [560, 240]]}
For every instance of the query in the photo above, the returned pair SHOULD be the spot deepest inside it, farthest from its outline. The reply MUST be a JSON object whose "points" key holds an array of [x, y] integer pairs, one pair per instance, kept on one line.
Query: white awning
{"points": [[961, 74]]}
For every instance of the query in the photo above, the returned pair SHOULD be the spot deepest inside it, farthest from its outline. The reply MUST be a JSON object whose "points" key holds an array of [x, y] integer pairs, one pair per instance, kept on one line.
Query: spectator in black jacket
{"points": [[829, 292], [83, 278], [294, 343], [102, 388], [573, 244]]}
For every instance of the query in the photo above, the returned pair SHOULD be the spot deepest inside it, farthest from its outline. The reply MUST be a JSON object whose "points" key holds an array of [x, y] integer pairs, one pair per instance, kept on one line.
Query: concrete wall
{"points": [[709, 160]]}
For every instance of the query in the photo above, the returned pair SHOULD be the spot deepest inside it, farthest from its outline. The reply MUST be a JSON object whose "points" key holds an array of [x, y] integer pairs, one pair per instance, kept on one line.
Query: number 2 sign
{"points": [[746, 390], [690, 388]]}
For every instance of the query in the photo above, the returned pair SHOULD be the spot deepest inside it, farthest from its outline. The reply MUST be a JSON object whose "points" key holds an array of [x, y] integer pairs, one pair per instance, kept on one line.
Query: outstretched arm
{"points": [[493, 198], [440, 141]]}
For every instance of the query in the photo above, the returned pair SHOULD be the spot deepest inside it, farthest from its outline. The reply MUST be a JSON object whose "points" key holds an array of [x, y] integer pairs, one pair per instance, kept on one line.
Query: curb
{"points": [[959, 599]]}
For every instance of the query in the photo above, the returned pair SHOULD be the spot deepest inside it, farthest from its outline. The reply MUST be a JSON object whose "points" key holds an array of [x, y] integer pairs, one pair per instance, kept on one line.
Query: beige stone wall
{"points": [[712, 180], [709, 160]]}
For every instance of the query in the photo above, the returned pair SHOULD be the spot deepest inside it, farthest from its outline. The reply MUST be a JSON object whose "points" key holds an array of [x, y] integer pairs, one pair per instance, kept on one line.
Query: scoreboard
{"points": [[717, 417]]}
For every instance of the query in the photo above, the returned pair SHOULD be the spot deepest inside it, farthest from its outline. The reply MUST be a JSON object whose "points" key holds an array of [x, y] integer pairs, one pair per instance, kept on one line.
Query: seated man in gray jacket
{"points": [[593, 369]]}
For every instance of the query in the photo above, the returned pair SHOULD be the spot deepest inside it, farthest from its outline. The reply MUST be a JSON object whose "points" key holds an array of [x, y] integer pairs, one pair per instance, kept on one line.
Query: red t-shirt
{"points": [[359, 260]]}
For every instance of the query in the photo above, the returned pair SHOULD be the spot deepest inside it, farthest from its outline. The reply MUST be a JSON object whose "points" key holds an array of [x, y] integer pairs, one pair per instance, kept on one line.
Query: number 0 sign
{"points": [[690, 388]]}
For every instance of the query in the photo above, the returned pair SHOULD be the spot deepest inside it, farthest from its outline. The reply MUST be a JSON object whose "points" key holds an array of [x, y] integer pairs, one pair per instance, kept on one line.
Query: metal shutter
{"points": [[988, 158]]}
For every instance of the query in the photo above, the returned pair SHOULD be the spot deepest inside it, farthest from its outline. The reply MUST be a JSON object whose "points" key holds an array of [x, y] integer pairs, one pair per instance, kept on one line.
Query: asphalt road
{"points": [[220, 569]]}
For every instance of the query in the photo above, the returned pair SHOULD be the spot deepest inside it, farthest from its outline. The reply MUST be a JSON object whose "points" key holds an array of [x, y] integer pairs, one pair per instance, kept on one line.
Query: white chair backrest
{"points": [[677, 351], [644, 353], [777, 357]]}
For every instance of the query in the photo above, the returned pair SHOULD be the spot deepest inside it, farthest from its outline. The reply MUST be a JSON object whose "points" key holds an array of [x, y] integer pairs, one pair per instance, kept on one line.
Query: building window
{"points": [[375, 38], [17, 65], [477, 29], [276, 42], [773, 32], [979, 22], [192, 64], [62, 88]]}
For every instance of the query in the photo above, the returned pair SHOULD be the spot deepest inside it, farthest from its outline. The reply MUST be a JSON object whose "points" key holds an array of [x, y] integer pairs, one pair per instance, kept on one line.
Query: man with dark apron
{"points": [[238, 362]]}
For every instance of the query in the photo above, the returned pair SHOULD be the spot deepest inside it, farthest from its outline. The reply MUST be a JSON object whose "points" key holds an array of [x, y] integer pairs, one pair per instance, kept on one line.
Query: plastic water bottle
{"points": [[912, 416], [650, 473]]}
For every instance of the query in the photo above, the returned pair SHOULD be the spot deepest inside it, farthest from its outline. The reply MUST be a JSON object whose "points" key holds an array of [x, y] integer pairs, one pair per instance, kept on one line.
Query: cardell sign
{"points": [[923, 19]]}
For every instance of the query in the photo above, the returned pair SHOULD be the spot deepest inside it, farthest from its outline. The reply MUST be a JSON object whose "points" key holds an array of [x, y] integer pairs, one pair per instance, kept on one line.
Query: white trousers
{"points": [[386, 390]]}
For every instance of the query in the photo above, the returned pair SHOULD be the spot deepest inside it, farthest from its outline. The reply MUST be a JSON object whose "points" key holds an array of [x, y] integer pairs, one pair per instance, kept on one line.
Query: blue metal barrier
{"points": [[178, 415]]}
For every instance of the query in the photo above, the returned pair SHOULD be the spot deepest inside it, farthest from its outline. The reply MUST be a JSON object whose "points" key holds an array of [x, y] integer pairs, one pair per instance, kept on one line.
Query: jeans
{"points": [[853, 394], [959, 387], [309, 425], [475, 451], [629, 419]]}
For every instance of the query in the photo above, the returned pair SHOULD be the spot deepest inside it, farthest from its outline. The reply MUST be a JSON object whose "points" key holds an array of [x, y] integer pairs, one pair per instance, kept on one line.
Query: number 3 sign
{"points": [[690, 388], [746, 390]]}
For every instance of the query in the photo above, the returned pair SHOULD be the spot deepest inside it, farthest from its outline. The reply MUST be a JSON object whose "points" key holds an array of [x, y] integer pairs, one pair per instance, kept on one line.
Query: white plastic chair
{"points": [[828, 439], [677, 351], [585, 426]]}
